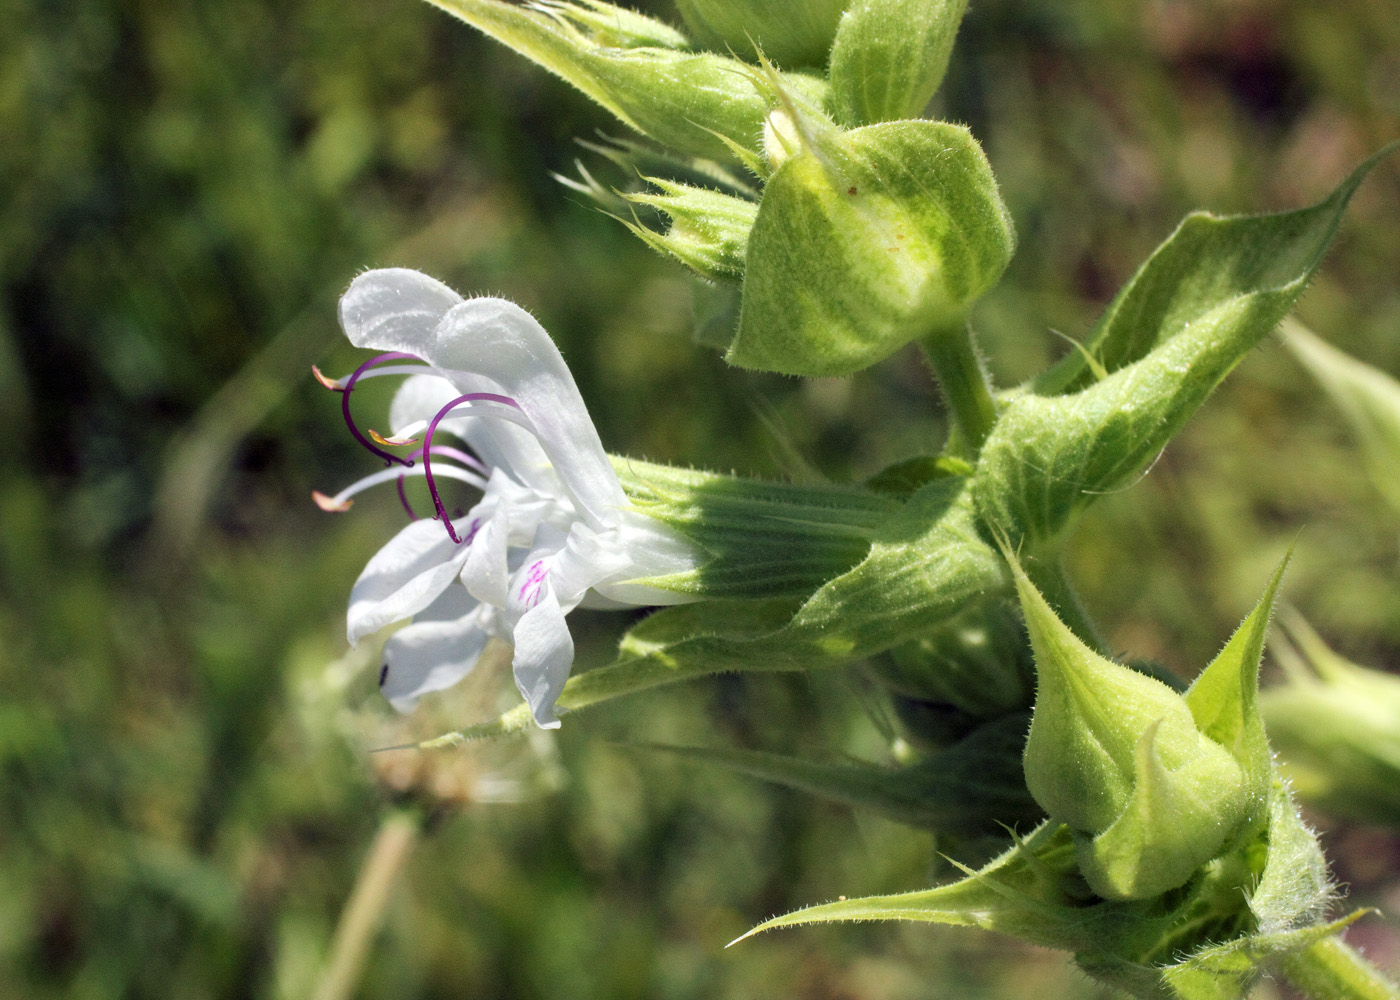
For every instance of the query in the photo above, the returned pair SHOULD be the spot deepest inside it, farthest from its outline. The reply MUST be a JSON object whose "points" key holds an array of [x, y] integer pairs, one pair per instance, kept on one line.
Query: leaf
{"points": [[1028, 892], [1367, 397], [1192, 312], [890, 56], [864, 241]]}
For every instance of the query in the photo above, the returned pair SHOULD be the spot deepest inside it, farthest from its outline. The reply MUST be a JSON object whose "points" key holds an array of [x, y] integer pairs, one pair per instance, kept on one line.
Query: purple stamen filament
{"points": [[355, 376], [403, 498], [428, 449]]}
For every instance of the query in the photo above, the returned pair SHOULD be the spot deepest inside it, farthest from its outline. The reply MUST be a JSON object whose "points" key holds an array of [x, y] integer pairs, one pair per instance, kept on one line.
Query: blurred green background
{"points": [[185, 790]]}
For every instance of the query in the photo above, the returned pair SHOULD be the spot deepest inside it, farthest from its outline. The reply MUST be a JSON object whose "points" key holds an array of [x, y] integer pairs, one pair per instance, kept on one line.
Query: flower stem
{"points": [[364, 912], [958, 366], [1331, 969]]}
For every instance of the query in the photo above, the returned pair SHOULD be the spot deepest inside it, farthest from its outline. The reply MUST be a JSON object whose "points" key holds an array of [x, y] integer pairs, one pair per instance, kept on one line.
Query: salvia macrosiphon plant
{"points": [[1147, 829]]}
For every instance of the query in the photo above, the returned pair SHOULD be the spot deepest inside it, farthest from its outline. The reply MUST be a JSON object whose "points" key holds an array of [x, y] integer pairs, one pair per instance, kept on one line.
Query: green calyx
{"points": [[890, 56], [764, 539], [1154, 784], [643, 71], [864, 241]]}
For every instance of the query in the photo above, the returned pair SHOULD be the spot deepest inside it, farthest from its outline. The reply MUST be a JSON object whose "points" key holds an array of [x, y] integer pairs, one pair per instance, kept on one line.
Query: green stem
{"points": [[364, 912], [1332, 970], [955, 361]]}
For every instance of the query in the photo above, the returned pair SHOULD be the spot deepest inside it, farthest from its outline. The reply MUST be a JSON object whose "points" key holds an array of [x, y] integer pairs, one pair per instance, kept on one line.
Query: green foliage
{"points": [[890, 57], [695, 103], [864, 241], [187, 192], [1212, 291], [1207, 941]]}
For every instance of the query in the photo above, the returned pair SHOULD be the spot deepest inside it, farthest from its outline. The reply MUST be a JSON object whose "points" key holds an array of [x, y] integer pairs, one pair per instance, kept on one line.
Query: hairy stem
{"points": [[958, 366], [1333, 970], [364, 912]]}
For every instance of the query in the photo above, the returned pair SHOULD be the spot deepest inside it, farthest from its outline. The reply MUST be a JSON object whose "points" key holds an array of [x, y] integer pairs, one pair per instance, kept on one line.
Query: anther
{"points": [[330, 504], [325, 380], [391, 442]]}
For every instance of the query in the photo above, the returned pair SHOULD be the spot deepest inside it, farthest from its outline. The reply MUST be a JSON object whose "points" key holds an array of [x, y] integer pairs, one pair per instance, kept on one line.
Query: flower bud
{"points": [[697, 103], [1122, 760], [792, 33], [890, 56], [864, 241]]}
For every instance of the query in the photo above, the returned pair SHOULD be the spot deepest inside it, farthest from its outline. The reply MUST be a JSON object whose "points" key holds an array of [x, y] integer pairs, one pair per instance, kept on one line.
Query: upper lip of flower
{"points": [[553, 521]]}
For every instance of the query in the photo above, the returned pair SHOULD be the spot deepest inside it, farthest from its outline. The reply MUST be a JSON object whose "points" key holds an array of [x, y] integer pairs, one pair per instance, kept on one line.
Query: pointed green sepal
{"points": [[1201, 302], [697, 103], [890, 56], [1224, 698], [864, 241], [709, 230]]}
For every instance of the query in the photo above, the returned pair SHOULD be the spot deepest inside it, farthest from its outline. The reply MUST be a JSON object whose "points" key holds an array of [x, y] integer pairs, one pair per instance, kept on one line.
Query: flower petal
{"points": [[544, 652], [403, 578], [395, 309], [504, 343], [433, 653], [486, 574], [653, 551]]}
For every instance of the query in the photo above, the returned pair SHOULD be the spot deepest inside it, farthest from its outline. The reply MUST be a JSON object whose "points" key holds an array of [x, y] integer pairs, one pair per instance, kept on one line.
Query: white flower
{"points": [[552, 529]]}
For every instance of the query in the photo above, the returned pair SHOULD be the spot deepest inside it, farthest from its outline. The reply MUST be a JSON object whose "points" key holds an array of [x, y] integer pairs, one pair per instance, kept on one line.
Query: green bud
{"points": [[640, 69], [1119, 758], [791, 33], [890, 57], [1336, 726], [1368, 398], [709, 230], [864, 241]]}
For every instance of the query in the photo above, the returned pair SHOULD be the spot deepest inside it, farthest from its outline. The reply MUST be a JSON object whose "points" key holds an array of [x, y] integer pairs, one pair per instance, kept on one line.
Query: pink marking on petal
{"points": [[532, 589]]}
